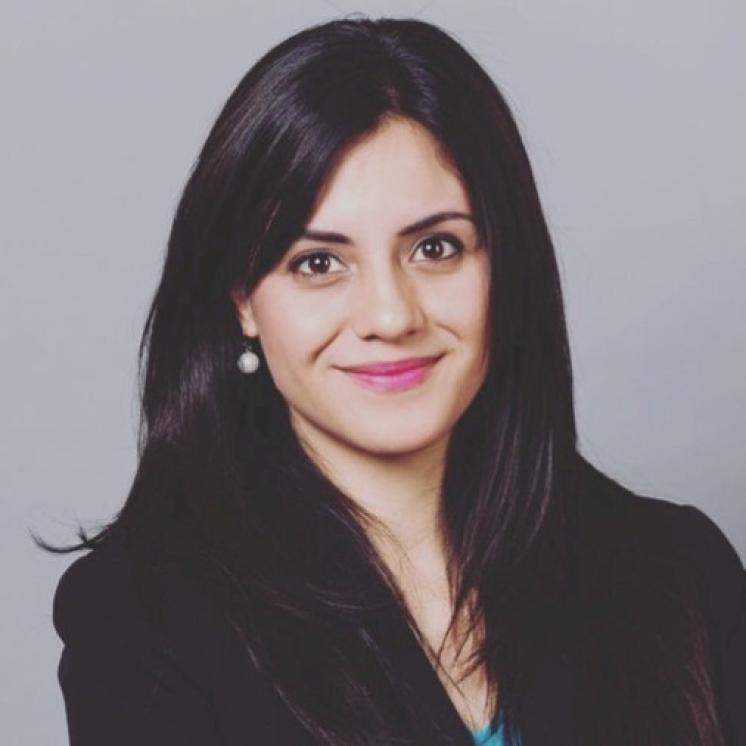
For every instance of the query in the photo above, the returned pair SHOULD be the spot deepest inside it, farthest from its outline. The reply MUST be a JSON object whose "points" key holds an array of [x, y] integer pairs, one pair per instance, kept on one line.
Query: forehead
{"points": [[396, 174]]}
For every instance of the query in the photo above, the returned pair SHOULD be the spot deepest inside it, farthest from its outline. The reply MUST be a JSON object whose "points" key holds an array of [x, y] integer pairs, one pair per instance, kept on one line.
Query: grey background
{"points": [[633, 114]]}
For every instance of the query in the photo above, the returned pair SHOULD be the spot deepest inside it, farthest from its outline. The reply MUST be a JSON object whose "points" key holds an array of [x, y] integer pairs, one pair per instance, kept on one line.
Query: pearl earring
{"points": [[248, 360]]}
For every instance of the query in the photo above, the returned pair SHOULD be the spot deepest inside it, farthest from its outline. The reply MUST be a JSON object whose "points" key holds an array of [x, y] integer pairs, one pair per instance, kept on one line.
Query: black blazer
{"points": [[117, 693]]}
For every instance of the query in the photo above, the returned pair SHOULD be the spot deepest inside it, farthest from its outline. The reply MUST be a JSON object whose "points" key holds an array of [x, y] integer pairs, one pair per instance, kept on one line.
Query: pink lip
{"points": [[407, 376], [393, 367]]}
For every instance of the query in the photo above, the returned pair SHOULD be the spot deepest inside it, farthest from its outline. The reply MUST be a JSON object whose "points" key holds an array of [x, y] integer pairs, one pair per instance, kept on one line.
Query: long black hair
{"points": [[222, 482]]}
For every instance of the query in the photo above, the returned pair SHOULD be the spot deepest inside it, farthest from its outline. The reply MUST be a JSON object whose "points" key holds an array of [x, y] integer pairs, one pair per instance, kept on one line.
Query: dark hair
{"points": [[223, 483]]}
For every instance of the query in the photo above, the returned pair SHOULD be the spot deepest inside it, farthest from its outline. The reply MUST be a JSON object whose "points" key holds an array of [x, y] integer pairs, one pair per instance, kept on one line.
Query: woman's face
{"points": [[368, 285]]}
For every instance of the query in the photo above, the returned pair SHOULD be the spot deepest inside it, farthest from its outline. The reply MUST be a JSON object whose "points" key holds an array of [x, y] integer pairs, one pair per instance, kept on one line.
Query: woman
{"points": [[359, 514]]}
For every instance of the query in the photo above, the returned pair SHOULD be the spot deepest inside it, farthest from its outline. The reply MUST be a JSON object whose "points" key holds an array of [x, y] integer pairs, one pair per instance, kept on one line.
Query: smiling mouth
{"points": [[393, 366], [397, 380]]}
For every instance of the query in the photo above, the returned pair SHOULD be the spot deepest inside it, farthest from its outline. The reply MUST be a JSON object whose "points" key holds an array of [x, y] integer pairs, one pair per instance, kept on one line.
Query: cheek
{"points": [[463, 305], [291, 333], [470, 321]]}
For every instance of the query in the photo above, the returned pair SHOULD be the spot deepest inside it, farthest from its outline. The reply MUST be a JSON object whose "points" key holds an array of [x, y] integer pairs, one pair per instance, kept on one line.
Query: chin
{"points": [[400, 444]]}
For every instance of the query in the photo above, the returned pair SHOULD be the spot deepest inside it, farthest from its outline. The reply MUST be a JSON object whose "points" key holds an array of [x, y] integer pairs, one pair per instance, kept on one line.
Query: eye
{"points": [[318, 263], [434, 245]]}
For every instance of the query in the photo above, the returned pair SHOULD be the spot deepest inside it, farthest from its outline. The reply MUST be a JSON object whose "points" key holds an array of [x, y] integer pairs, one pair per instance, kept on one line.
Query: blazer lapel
{"points": [[550, 685], [549, 692]]}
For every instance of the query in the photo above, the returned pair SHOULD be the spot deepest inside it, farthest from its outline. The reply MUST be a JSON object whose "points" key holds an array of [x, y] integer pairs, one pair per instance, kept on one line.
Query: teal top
{"points": [[485, 737]]}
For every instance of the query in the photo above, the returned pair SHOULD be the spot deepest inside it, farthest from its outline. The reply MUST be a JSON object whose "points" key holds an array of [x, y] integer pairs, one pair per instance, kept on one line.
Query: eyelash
{"points": [[298, 261]]}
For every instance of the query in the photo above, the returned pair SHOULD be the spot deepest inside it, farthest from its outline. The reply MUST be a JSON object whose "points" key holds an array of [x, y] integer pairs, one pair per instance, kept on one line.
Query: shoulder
{"points": [[634, 555], [99, 605], [115, 676], [101, 615], [189, 680], [619, 528], [96, 588], [98, 599]]}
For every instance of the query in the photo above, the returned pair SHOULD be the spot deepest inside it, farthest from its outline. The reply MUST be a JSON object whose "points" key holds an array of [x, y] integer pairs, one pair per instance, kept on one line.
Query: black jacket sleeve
{"points": [[723, 583], [118, 689]]}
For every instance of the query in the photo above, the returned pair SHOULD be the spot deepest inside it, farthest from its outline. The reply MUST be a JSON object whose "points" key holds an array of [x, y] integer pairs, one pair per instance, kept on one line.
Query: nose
{"points": [[385, 303]]}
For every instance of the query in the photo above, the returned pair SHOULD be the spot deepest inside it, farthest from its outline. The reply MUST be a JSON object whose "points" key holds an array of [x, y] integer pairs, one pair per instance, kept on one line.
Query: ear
{"points": [[245, 313]]}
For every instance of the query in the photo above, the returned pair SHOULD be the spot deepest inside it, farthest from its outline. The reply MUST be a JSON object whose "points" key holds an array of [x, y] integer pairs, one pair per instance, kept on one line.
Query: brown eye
{"points": [[433, 247], [318, 264]]}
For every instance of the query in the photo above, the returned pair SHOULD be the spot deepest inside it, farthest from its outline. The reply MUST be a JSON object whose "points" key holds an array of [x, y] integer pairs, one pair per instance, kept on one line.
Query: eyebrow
{"points": [[424, 223]]}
